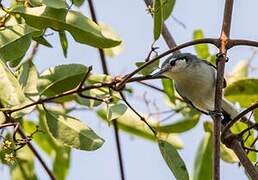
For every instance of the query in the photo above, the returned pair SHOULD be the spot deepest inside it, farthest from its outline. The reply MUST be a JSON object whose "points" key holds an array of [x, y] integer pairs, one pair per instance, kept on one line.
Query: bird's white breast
{"points": [[197, 84]]}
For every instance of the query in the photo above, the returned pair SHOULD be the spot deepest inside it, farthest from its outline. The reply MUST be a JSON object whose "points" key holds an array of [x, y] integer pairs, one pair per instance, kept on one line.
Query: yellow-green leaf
{"points": [[63, 42], [11, 93], [173, 160], [83, 29], [58, 79], [243, 91], [115, 111], [158, 18], [203, 160], [168, 6], [184, 124], [16, 39], [202, 50], [72, 132]]}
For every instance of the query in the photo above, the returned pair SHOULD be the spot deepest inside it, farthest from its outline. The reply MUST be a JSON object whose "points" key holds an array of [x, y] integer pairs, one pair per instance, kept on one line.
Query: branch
{"points": [[221, 59], [165, 32], [181, 46], [152, 87], [241, 42], [51, 175], [142, 118], [239, 116], [71, 92], [105, 70]]}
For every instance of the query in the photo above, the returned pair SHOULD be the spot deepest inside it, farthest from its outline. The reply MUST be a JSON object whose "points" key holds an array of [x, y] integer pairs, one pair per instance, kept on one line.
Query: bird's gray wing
{"points": [[190, 103], [210, 64]]}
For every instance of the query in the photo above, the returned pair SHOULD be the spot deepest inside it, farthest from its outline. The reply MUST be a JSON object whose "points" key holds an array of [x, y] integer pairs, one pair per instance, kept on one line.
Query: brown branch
{"points": [[234, 144], [239, 116], [105, 70], [241, 154], [35, 152], [221, 59], [67, 93], [241, 42], [143, 78], [181, 46], [34, 50], [165, 32]]}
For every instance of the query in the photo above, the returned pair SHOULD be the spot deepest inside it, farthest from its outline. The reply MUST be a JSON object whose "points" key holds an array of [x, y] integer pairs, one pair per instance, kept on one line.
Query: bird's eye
{"points": [[184, 58], [172, 63]]}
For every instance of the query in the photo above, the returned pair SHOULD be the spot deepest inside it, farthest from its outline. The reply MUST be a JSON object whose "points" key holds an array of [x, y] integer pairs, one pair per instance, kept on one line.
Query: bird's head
{"points": [[177, 63]]}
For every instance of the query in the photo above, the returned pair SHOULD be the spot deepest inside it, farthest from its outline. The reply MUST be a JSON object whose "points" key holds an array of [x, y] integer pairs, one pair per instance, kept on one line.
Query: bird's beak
{"points": [[160, 72]]}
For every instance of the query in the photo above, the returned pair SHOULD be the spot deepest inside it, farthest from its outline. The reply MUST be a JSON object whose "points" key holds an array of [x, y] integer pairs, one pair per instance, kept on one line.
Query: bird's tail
{"points": [[229, 111]]}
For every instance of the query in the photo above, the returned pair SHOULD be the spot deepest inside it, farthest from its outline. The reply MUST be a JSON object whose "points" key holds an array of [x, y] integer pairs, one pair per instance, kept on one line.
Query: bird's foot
{"points": [[215, 113]]}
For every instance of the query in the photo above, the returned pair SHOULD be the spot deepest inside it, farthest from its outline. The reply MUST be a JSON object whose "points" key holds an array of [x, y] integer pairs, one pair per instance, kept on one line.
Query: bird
{"points": [[195, 81]]}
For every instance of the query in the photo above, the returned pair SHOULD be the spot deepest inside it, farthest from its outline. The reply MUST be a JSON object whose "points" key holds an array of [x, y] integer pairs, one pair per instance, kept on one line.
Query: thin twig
{"points": [[35, 152], [142, 118], [85, 77], [246, 130], [105, 70], [253, 143], [152, 86], [187, 44], [165, 32], [91, 97], [49, 99], [239, 116]]}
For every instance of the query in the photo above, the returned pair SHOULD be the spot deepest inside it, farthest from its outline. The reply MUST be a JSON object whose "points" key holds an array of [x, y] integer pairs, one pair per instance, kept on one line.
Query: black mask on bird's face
{"points": [[176, 63]]}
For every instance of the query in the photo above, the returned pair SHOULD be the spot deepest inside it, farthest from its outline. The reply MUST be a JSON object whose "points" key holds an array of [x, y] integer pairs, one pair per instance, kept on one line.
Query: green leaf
{"points": [[97, 93], [115, 111], [78, 3], [99, 78], [42, 40], [28, 79], [227, 154], [72, 132], [11, 93], [243, 91], [44, 127], [2, 117], [16, 39], [40, 138], [168, 6], [239, 72], [63, 42], [168, 87], [203, 160], [148, 69], [114, 51], [24, 167], [238, 127], [256, 115], [59, 79], [131, 123], [202, 50], [61, 163], [183, 125], [51, 3], [81, 28], [173, 160], [158, 18]]}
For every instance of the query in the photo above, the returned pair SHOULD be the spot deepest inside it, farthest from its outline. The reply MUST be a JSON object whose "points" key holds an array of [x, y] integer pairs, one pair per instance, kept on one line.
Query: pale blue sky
{"points": [[142, 159]]}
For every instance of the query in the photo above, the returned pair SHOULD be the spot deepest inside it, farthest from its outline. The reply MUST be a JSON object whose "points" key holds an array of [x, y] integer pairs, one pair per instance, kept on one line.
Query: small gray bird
{"points": [[195, 82]]}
